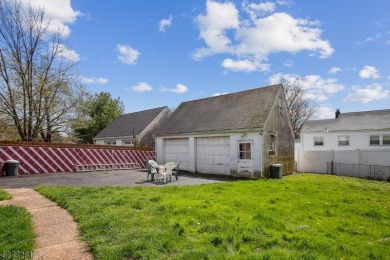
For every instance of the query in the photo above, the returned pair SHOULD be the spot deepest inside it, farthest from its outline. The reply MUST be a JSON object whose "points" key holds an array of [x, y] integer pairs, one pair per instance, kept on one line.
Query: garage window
{"points": [[272, 141], [245, 151]]}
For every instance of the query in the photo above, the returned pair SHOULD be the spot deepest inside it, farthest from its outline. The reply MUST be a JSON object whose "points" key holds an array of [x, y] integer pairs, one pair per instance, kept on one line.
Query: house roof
{"points": [[123, 125], [355, 121], [242, 110]]}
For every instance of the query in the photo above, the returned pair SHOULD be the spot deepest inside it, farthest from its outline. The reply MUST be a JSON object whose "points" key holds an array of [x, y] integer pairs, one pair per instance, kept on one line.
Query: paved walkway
{"points": [[57, 233]]}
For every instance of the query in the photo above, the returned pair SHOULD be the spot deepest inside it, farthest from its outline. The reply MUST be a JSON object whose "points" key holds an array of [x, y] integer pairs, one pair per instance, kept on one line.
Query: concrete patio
{"points": [[118, 178]]}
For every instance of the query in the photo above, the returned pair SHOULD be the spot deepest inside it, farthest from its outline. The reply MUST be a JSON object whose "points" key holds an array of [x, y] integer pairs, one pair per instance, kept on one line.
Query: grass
{"points": [[4, 195], [301, 216], [17, 236]]}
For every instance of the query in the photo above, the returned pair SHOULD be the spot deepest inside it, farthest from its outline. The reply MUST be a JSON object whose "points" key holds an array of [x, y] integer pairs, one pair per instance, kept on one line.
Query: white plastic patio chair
{"points": [[153, 168], [166, 173]]}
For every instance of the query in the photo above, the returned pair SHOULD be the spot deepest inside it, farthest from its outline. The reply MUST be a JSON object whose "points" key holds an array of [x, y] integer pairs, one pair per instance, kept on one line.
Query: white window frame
{"points": [[344, 142], [315, 140], [128, 143], [388, 139], [272, 142], [245, 150], [379, 140]]}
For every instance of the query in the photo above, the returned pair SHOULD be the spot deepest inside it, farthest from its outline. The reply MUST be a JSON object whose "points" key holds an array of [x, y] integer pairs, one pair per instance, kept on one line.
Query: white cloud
{"points": [[367, 94], [324, 112], [334, 70], [142, 87], [59, 12], [224, 33], [280, 32], [244, 65], [254, 10], [164, 23], [219, 18], [94, 80], [127, 54], [180, 88], [374, 38], [369, 72], [288, 63], [68, 54], [219, 94], [310, 83], [315, 87], [316, 97], [327, 86]]}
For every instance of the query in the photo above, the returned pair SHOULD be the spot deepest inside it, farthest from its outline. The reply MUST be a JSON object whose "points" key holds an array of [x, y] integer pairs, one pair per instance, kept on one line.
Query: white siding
{"points": [[99, 142], [357, 140], [316, 161]]}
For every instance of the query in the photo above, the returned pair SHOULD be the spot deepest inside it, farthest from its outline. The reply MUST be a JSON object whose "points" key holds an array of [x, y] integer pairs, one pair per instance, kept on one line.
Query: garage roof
{"points": [[237, 111]]}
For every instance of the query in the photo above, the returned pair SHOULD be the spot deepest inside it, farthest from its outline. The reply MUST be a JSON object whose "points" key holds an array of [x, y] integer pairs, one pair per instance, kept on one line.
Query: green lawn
{"points": [[17, 236], [4, 195], [301, 216]]}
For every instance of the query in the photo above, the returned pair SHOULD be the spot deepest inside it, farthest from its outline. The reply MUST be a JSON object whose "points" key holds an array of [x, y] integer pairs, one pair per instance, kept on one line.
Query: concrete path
{"points": [[57, 233]]}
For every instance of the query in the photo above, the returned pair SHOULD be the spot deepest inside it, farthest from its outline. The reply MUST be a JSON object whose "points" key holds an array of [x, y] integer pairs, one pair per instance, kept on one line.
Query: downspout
{"points": [[262, 152]]}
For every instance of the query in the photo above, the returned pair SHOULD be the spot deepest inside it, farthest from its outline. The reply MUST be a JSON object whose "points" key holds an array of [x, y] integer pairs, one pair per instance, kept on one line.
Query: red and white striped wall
{"points": [[54, 159]]}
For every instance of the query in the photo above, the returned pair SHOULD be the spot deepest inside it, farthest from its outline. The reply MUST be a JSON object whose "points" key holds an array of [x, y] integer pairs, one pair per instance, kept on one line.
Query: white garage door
{"points": [[213, 155], [177, 150]]}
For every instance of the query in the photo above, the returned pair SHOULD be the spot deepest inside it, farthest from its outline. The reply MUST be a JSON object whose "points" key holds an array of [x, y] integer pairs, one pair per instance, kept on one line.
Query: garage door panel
{"points": [[177, 150], [213, 155]]}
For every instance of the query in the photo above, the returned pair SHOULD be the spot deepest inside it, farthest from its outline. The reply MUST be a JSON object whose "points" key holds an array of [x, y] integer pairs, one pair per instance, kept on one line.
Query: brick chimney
{"points": [[337, 114]]}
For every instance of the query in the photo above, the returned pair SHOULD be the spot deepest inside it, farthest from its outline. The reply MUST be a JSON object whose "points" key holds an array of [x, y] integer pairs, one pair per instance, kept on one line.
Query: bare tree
{"points": [[7, 130], [300, 108], [35, 79]]}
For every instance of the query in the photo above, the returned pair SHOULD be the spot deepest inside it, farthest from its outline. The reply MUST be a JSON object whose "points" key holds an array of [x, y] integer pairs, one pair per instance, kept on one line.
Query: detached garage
{"points": [[237, 134]]}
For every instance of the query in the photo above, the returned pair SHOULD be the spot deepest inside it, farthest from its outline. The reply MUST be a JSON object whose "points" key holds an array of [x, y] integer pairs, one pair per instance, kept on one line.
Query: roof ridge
{"points": [[234, 93], [136, 112], [367, 111]]}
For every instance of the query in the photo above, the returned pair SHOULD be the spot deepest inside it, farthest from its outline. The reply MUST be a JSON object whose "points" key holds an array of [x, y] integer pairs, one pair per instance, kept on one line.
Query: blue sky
{"points": [[153, 53]]}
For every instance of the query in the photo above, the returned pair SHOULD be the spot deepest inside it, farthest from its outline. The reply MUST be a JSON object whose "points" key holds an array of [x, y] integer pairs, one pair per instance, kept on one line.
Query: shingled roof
{"points": [[237, 111], [354, 121], [123, 125]]}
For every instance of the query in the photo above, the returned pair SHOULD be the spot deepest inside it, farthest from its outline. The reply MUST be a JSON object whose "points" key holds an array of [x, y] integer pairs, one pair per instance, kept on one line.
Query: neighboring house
{"points": [[238, 134], [134, 128], [357, 138], [368, 130]]}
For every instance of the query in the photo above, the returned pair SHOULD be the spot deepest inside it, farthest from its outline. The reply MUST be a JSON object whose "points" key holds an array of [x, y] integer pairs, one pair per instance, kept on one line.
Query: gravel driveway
{"points": [[101, 178]]}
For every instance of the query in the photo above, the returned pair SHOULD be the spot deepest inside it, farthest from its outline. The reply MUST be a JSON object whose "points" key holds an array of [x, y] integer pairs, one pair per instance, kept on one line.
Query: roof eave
{"points": [[211, 132]]}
